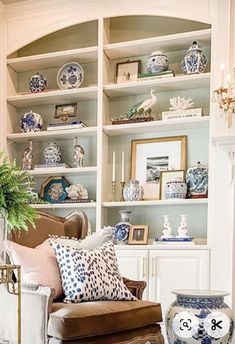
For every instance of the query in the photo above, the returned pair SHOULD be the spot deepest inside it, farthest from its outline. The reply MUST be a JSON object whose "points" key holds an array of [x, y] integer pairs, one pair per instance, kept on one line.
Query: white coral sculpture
{"points": [[181, 103]]}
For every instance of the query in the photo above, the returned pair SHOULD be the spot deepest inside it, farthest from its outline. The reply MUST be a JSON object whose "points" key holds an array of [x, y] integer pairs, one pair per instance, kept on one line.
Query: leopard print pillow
{"points": [[89, 275]]}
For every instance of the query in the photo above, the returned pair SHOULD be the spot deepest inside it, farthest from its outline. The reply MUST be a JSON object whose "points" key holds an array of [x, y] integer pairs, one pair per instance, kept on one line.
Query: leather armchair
{"points": [[54, 322]]}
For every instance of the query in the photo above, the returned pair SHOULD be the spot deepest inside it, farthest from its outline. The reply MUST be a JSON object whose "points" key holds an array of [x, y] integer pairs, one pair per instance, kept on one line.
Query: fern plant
{"points": [[14, 196]]}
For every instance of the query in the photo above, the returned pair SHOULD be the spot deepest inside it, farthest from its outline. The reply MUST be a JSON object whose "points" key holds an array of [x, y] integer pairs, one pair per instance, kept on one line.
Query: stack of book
{"points": [[68, 125], [150, 76], [55, 166]]}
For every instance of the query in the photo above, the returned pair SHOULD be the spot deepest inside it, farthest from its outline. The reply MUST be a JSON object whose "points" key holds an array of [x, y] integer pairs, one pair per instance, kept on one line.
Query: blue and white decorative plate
{"points": [[70, 75], [31, 122]]}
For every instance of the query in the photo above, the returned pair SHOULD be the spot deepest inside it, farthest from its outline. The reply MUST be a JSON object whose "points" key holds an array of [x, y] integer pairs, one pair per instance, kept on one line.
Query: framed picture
{"points": [[65, 110], [168, 176], [151, 156], [138, 235], [53, 190], [127, 71]]}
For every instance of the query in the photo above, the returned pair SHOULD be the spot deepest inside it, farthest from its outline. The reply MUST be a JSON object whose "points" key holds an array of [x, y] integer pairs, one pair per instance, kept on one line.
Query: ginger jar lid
{"points": [[194, 46]]}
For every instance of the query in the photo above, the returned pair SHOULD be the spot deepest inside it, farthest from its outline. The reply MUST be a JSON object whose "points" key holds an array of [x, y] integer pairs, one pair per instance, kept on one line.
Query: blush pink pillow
{"points": [[38, 265]]}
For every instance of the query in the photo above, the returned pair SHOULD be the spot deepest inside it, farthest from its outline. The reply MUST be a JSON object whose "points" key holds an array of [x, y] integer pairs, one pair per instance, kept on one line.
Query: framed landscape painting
{"points": [[151, 156]]}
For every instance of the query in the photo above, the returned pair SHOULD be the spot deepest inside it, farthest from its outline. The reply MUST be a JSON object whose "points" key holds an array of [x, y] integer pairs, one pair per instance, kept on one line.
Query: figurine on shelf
{"points": [[52, 154], [182, 230], [181, 108], [180, 103], [168, 230], [141, 110], [27, 158], [79, 153], [77, 191]]}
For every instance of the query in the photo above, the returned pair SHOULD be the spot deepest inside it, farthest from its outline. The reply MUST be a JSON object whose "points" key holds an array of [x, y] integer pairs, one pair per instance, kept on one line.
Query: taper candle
{"points": [[123, 168], [222, 68], [114, 162]]}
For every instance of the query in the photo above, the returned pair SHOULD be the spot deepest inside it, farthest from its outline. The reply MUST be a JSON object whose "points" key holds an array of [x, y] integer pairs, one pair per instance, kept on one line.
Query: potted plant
{"points": [[15, 197]]}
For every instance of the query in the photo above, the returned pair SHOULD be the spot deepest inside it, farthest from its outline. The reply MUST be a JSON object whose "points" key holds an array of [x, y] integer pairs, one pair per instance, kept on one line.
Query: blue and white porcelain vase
{"points": [[31, 122], [175, 189], [133, 191], [122, 229], [197, 181], [157, 62], [52, 154], [194, 61], [37, 83], [199, 317]]}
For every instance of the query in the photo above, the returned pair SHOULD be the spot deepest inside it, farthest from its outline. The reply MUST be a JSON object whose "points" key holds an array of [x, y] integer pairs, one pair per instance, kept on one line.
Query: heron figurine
{"points": [[142, 108]]}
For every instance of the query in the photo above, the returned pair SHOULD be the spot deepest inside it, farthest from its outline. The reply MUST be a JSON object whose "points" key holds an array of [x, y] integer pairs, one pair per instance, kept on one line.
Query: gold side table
{"points": [[6, 277]]}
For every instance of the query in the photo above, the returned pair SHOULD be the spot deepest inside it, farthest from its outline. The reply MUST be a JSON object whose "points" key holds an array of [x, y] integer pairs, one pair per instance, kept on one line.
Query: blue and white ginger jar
{"points": [[122, 229], [194, 61], [175, 189], [37, 83], [199, 317], [31, 122], [133, 191], [157, 62], [52, 154], [197, 181]]}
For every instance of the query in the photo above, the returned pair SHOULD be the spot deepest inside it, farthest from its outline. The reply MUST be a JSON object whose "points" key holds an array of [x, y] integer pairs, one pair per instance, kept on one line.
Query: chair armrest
{"points": [[135, 287], [36, 304]]}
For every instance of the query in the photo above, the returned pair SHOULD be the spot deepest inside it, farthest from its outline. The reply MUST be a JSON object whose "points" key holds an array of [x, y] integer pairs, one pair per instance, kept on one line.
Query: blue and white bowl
{"points": [[37, 83], [31, 122], [157, 62]]}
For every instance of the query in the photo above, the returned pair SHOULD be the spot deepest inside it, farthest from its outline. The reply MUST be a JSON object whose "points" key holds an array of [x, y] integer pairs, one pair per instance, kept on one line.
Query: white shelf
{"points": [[163, 247], [53, 97], [181, 82], [174, 202], [52, 135], [64, 205], [166, 43], [55, 59], [156, 126], [63, 171]]}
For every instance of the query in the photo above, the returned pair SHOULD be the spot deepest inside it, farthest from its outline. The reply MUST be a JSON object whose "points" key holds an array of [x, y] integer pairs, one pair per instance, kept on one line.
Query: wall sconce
{"points": [[225, 98]]}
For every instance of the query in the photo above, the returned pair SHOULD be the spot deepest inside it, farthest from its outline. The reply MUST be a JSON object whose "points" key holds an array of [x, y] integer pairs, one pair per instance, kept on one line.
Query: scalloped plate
{"points": [[70, 75]]}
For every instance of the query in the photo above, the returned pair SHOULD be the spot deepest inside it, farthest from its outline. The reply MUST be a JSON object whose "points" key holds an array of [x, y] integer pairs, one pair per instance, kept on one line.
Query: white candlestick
{"points": [[222, 68], [114, 162], [123, 163]]}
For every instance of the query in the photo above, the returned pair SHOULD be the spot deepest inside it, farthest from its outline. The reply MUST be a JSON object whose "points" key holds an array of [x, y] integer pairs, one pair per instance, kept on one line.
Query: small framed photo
{"points": [[168, 176], [138, 235], [65, 111], [127, 71]]}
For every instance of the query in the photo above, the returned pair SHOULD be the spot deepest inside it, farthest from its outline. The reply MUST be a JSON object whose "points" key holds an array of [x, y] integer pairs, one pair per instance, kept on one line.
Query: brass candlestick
{"points": [[122, 185], [113, 191]]}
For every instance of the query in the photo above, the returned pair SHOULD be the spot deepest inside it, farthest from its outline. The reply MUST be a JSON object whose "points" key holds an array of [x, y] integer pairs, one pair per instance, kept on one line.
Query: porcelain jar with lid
{"points": [[52, 154], [157, 62], [37, 83], [133, 191], [194, 61], [176, 188], [31, 122], [122, 229], [199, 317], [197, 181]]}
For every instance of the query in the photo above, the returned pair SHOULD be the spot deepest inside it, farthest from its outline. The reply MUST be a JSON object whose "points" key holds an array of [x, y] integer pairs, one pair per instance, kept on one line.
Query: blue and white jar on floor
{"points": [[199, 317], [122, 229], [133, 191], [194, 61]]}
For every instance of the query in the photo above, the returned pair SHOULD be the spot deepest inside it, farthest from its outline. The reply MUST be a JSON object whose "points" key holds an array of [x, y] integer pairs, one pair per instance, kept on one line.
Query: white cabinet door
{"points": [[176, 269], [133, 264]]}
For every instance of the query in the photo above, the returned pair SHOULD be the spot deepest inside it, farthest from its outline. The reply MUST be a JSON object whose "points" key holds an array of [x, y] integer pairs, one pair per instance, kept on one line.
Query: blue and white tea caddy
{"points": [[37, 83], [157, 62], [194, 61]]}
